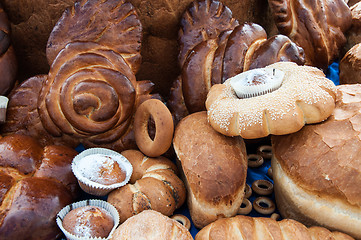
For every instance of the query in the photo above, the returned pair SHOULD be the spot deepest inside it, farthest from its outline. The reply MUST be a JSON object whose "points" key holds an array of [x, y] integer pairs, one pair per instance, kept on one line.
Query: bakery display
{"points": [[90, 93], [8, 64], [100, 170], [88, 222], [214, 46], [35, 183], [214, 169], [318, 26], [150, 224], [317, 169], [247, 228], [251, 106], [154, 185], [350, 66], [157, 111]]}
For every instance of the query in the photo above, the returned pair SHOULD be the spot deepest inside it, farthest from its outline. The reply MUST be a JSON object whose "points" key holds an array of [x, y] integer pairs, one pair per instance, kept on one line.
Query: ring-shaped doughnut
{"points": [[247, 191], [182, 220], [265, 151], [245, 208], [163, 128], [254, 160], [264, 205], [270, 172], [262, 187]]}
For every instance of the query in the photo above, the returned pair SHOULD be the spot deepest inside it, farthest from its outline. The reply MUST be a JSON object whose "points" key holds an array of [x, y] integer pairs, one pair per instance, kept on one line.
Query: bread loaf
{"points": [[36, 183], [154, 185], [215, 47], [350, 66], [317, 171], [150, 224], [214, 169], [90, 93], [258, 228], [8, 65], [353, 35], [318, 26]]}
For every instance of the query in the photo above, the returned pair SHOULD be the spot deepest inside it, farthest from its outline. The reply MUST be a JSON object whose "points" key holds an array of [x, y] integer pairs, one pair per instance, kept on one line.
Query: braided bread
{"points": [[318, 26], [215, 47], [90, 93], [8, 66], [247, 228], [153, 185]]}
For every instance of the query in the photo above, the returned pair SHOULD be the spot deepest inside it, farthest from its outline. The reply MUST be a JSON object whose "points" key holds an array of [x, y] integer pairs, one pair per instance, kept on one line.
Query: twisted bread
{"points": [[214, 47], [247, 228], [153, 185], [35, 184], [90, 93], [318, 26], [8, 66]]}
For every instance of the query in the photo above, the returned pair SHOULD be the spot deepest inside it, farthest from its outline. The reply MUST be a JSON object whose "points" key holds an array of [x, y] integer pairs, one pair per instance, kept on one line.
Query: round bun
{"points": [[88, 221], [317, 171], [350, 66], [305, 96], [151, 224]]}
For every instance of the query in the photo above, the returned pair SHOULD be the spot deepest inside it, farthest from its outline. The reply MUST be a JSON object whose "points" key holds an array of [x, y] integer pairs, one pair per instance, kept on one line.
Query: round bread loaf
{"points": [[151, 224], [350, 66], [317, 170], [214, 169], [35, 184]]}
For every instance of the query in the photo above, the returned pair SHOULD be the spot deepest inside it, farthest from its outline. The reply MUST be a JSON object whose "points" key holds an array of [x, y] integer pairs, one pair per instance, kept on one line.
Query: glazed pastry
{"points": [[316, 170], [8, 65], [318, 26], [278, 99], [214, 168], [154, 185], [36, 183], [90, 93], [258, 228], [215, 47]]}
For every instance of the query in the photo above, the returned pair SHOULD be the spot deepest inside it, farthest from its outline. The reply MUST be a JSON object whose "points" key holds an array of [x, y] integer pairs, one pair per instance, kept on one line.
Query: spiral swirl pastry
{"points": [[90, 90], [318, 26]]}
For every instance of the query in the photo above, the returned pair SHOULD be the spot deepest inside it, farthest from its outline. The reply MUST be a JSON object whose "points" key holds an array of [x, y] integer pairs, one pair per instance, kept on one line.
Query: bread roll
{"points": [[353, 35], [318, 26], [317, 170], [259, 228], [154, 184], [214, 169], [350, 66], [151, 225], [35, 184]]}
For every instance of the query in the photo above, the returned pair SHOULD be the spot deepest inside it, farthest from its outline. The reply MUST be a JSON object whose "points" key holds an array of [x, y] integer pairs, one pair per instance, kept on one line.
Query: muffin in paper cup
{"points": [[3, 107], [94, 168], [109, 209]]}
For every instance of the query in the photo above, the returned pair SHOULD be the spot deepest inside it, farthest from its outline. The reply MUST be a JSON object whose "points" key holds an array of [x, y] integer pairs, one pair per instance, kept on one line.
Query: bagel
{"points": [[305, 95]]}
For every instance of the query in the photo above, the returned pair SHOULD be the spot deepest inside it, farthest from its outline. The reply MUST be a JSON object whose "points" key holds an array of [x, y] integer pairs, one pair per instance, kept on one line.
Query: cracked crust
{"points": [[321, 162]]}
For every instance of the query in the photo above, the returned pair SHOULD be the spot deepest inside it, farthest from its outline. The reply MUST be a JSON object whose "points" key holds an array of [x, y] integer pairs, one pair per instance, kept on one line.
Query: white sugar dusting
{"points": [[89, 166], [303, 84]]}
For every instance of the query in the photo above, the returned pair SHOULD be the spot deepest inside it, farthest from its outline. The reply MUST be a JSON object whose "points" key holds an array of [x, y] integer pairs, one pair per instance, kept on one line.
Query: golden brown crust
{"points": [[328, 174], [153, 185], [350, 66], [353, 34], [247, 228], [214, 168], [36, 183], [318, 26], [151, 225], [282, 111]]}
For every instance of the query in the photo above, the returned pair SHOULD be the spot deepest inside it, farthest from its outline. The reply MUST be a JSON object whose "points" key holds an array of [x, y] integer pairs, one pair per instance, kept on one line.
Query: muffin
{"points": [[88, 221], [101, 170]]}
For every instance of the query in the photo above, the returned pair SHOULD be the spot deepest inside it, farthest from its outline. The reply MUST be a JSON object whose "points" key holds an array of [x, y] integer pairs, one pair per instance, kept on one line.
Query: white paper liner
{"points": [[3, 107], [241, 83], [95, 188], [90, 202]]}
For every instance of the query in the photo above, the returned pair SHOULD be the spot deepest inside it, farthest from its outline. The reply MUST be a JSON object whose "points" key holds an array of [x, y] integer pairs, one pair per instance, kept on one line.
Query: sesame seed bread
{"points": [[305, 96], [317, 171], [214, 169]]}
